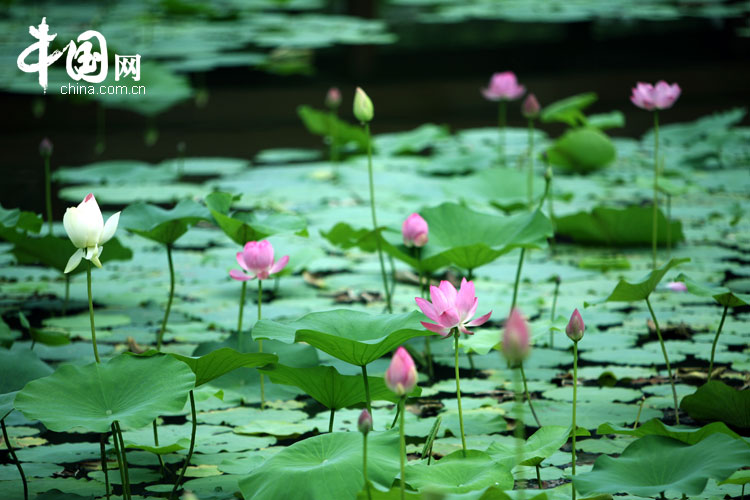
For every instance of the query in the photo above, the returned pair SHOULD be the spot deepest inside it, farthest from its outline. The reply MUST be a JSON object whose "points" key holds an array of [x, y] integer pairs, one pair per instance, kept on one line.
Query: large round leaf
{"points": [[221, 361], [160, 225], [656, 464], [17, 368], [720, 294], [133, 391], [455, 473], [352, 336], [325, 466], [716, 401], [655, 426], [626, 291], [582, 150], [542, 444]]}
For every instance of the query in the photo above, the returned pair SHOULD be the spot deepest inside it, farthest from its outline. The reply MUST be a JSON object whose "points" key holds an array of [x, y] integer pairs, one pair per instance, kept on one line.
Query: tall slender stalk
{"points": [[518, 278], [501, 127], [118, 456], [530, 174], [526, 393], [330, 419], [458, 393], [364, 465], [103, 451], [126, 473], [554, 308], [666, 360], [12, 453], [67, 294], [48, 192], [156, 443], [91, 312], [367, 392], [192, 446], [403, 447], [375, 219], [260, 346], [519, 426], [654, 231], [169, 300], [575, 396], [716, 339], [239, 319]]}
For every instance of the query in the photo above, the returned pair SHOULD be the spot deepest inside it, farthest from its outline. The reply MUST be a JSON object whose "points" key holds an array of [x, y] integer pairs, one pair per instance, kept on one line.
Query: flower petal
{"points": [[465, 299], [427, 308], [279, 264], [241, 261], [240, 276], [438, 300], [449, 319], [449, 291], [436, 328], [480, 320], [74, 260], [109, 228]]}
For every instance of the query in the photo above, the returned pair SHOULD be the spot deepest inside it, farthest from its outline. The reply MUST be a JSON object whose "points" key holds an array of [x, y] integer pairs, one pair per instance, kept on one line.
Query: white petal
{"points": [[91, 220], [95, 258], [91, 252], [76, 232], [74, 260], [109, 228]]}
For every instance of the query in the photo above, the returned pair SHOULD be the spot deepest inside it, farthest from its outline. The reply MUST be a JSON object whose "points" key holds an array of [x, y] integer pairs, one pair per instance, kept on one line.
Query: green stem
{"points": [[530, 179], [364, 466], [654, 231], [395, 417], [91, 313], [716, 339], [118, 456], [526, 393], [519, 426], [192, 446], [539, 477], [126, 473], [638, 415], [239, 319], [367, 391], [260, 347], [575, 397], [501, 128], [330, 420], [169, 301], [15, 460], [103, 452], [156, 443], [403, 447], [666, 360], [518, 278], [67, 294], [375, 219], [554, 309], [48, 192], [669, 226], [458, 393]]}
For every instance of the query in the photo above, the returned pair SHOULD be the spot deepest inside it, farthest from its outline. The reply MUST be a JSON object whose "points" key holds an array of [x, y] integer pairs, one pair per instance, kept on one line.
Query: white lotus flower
{"points": [[88, 232]]}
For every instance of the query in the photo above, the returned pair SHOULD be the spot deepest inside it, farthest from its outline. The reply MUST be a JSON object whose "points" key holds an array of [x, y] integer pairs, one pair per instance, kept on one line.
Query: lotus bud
{"points": [[516, 346], [548, 174], [364, 423], [45, 147], [677, 286], [401, 376], [414, 230], [333, 98], [530, 108], [363, 109], [575, 327]]}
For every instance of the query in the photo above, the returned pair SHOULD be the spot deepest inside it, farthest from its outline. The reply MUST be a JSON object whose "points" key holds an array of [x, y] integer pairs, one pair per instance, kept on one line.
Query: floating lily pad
{"points": [[160, 225], [541, 445], [455, 473], [659, 428]]}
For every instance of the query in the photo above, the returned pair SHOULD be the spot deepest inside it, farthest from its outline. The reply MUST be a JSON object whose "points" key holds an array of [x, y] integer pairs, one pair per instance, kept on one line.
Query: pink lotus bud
{"points": [[401, 376], [333, 98], [575, 327], [363, 108], [503, 86], [415, 231], [677, 286], [45, 147], [516, 345], [257, 259], [364, 423], [660, 96], [530, 108]]}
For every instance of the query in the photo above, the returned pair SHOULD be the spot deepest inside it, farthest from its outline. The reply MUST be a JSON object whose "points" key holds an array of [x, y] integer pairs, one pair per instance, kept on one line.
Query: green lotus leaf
{"points": [[356, 337], [656, 427], [325, 466], [626, 291], [658, 464], [715, 401], [326, 124], [222, 361], [330, 388], [15, 218], [617, 227], [582, 150], [130, 390], [568, 110], [720, 294], [160, 225], [455, 473], [541, 445]]}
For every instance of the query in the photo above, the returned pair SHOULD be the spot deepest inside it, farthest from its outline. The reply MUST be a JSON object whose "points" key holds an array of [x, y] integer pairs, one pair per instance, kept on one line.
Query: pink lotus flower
{"points": [[659, 96], [530, 107], [575, 327], [257, 259], [414, 230], [516, 346], [677, 286], [451, 309], [503, 86], [401, 376]]}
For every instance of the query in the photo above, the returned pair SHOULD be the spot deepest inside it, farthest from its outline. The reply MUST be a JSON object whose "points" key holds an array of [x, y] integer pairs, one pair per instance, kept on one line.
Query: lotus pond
{"points": [[539, 308]]}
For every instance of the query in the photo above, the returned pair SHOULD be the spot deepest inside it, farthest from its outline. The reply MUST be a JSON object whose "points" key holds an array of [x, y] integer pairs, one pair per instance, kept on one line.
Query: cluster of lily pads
{"points": [[133, 390]]}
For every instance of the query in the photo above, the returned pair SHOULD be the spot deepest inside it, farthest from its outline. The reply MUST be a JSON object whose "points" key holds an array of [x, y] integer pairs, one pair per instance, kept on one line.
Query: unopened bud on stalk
{"points": [[363, 109], [530, 107], [575, 327], [364, 423], [45, 147]]}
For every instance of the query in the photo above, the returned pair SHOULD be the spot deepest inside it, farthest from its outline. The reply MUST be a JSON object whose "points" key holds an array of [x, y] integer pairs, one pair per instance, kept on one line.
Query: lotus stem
{"points": [[519, 427], [169, 300], [575, 397], [530, 178], [501, 128], [716, 340], [388, 299], [118, 456], [48, 193], [67, 295], [403, 447], [239, 319], [518, 278], [330, 420], [125, 472], [103, 452], [669, 226], [654, 230], [192, 446], [91, 313], [260, 347], [156, 443], [364, 465], [367, 391], [638, 415], [15, 460], [458, 394], [526, 393], [552, 315], [666, 360], [539, 477]]}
